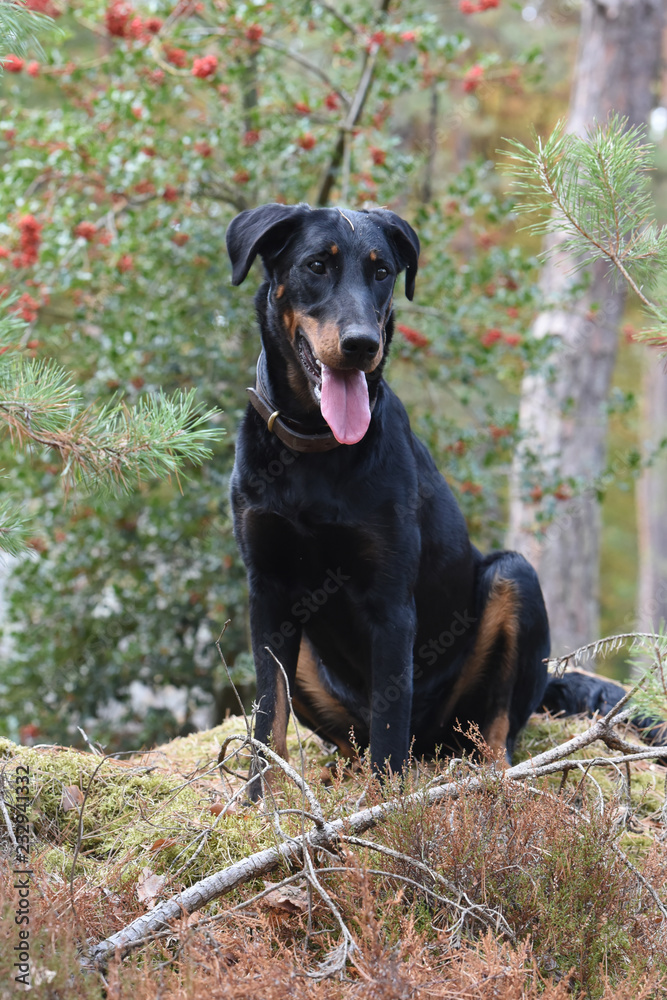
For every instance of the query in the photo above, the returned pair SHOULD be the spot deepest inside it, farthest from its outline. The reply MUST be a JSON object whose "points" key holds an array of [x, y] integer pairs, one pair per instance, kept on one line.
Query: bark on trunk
{"points": [[563, 409], [652, 499]]}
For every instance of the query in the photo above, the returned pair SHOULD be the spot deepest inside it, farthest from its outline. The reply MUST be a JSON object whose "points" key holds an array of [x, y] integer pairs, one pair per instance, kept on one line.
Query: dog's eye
{"points": [[381, 273], [317, 267]]}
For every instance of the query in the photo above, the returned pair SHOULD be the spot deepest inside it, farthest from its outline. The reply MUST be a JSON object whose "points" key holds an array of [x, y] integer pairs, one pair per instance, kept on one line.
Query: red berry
{"points": [[563, 492], [473, 78], [206, 66], [13, 64], [117, 18], [86, 230], [254, 32], [43, 7], [177, 57], [415, 337], [491, 337], [307, 140]]}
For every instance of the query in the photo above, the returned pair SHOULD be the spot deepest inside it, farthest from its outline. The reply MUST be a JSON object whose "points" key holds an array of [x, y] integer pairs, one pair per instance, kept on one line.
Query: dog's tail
{"points": [[578, 692]]}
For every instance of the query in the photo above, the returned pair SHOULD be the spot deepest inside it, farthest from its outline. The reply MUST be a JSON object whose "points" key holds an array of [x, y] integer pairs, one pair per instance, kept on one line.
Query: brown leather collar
{"points": [[279, 425]]}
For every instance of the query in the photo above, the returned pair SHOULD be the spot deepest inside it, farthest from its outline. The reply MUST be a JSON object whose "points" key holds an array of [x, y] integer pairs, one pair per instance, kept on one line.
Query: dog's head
{"points": [[331, 277]]}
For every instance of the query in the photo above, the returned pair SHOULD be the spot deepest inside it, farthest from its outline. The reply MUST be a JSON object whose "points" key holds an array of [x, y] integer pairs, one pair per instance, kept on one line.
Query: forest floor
{"points": [[469, 885]]}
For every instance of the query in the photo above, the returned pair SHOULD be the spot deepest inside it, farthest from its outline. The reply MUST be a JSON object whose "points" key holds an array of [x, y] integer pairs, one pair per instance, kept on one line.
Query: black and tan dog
{"points": [[363, 582]]}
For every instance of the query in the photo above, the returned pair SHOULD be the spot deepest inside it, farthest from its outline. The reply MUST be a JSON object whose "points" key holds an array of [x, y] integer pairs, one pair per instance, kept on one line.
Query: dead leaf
{"points": [[72, 798], [289, 899], [163, 842], [149, 887]]}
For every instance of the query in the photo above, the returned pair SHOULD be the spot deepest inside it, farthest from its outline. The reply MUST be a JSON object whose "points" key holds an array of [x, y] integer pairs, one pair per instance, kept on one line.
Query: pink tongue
{"points": [[344, 404]]}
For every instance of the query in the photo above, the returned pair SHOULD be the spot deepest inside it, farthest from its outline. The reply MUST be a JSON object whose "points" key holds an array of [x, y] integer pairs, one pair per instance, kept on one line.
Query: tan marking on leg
{"points": [[499, 615], [280, 719], [496, 736], [280, 291], [318, 704]]}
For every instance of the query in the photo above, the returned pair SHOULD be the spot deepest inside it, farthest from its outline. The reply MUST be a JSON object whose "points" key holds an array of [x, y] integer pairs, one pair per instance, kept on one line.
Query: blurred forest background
{"points": [[126, 146]]}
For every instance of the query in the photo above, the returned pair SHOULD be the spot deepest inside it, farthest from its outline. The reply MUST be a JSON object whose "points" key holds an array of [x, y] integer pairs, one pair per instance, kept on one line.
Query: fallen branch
{"points": [[327, 835]]}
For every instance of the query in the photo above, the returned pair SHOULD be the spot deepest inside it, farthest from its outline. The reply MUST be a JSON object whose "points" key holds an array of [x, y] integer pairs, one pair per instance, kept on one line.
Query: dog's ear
{"points": [[255, 231], [406, 243]]}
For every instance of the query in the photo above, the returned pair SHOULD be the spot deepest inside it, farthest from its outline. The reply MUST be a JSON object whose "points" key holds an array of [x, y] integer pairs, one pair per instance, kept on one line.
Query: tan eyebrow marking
{"points": [[334, 249], [374, 255]]}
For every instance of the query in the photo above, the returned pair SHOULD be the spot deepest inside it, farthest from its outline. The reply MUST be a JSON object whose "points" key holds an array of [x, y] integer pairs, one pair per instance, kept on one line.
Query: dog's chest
{"points": [[307, 548]]}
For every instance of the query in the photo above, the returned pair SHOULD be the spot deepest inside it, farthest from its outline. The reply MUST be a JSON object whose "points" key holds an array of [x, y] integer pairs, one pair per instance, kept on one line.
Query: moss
{"points": [[154, 809], [135, 814], [7, 748]]}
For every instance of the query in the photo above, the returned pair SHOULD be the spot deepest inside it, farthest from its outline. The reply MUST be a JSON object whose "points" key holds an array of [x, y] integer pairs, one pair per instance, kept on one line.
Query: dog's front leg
{"points": [[272, 628], [391, 695]]}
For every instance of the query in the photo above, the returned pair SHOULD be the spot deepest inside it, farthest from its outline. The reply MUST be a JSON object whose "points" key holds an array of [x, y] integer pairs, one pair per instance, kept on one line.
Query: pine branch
{"points": [[13, 528], [19, 27], [103, 450], [594, 191]]}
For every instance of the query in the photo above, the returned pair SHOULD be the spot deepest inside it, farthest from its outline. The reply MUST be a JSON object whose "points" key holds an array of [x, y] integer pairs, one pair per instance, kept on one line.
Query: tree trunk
{"points": [[562, 415], [652, 499]]}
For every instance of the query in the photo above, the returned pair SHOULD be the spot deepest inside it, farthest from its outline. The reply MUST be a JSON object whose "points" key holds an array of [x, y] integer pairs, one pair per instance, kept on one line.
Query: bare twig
{"points": [[8, 822], [603, 646], [353, 116], [312, 67]]}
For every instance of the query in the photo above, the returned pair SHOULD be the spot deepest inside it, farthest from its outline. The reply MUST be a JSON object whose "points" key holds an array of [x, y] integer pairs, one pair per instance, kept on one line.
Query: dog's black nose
{"points": [[359, 344]]}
